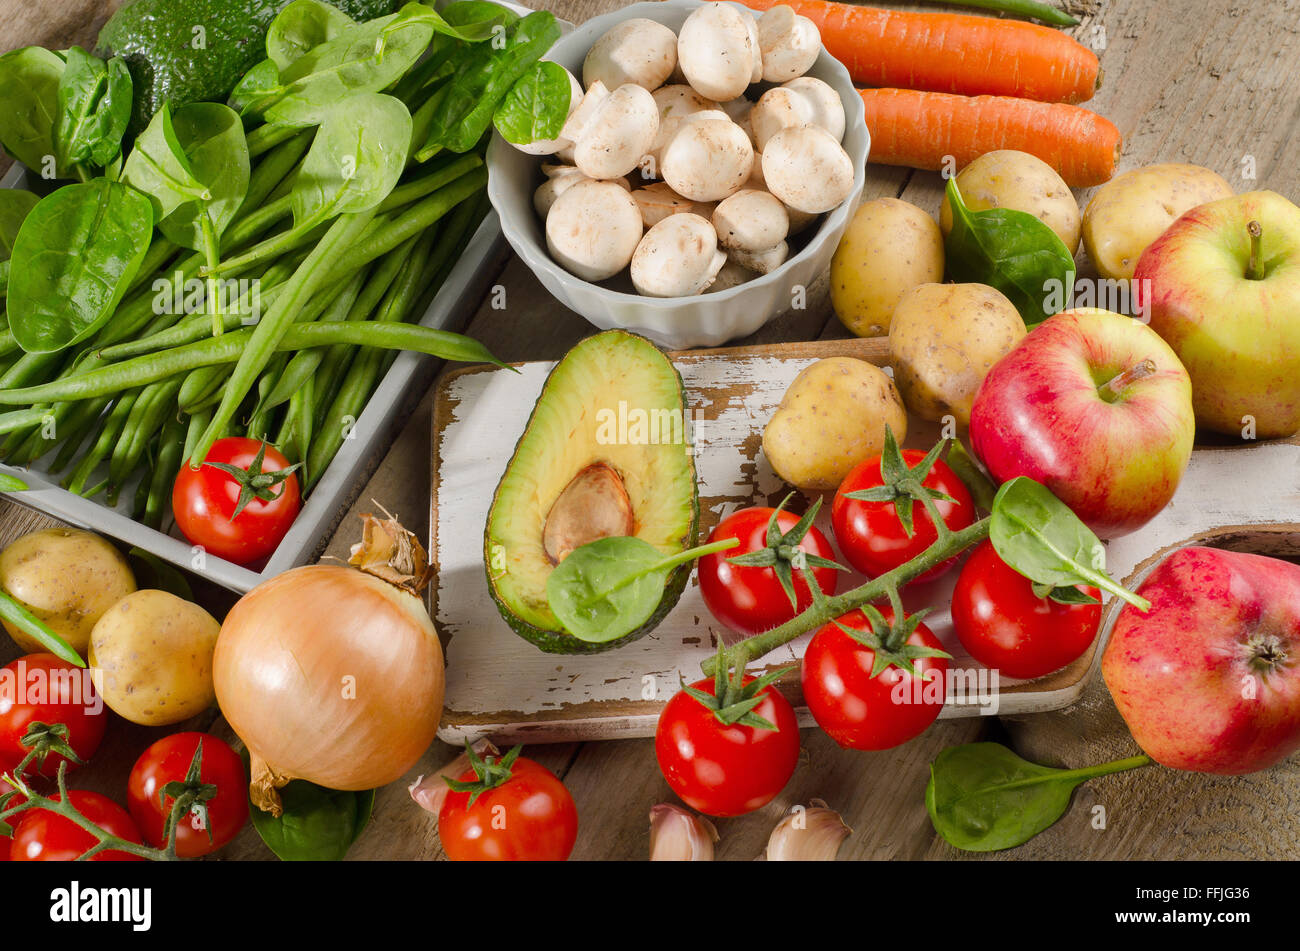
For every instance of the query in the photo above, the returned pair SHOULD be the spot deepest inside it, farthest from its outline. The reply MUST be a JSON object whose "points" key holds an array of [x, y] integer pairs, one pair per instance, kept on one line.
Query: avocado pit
{"points": [[593, 505]]}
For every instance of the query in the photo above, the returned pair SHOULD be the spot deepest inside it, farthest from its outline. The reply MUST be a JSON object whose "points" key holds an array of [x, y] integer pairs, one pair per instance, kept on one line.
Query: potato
{"points": [[832, 417], [155, 652], [1010, 179], [1132, 210], [943, 341], [888, 248], [67, 578]]}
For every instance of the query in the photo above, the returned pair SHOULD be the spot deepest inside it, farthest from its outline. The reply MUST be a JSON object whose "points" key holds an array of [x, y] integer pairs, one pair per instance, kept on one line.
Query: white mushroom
{"points": [[762, 262], [826, 104], [619, 134], [559, 178], [807, 169], [751, 220], [731, 275], [799, 220], [581, 116], [658, 201], [708, 159], [550, 146], [593, 230], [674, 103], [778, 109], [636, 51], [716, 51], [788, 43], [677, 258], [751, 23]]}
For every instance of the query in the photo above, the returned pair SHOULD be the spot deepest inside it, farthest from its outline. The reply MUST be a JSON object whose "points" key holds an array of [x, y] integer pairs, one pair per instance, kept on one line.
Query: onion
{"points": [[334, 674]]}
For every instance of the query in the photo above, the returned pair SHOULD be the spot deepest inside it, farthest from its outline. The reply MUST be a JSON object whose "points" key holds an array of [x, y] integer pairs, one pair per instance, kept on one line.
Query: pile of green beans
{"points": [[153, 388]]}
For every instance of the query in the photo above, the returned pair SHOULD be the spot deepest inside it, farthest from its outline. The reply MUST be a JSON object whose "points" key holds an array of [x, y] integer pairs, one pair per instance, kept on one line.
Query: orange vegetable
{"points": [[951, 52], [921, 129]]}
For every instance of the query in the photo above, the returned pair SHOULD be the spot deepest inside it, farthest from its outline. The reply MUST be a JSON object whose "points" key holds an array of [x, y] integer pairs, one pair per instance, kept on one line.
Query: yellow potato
{"points": [[943, 341], [155, 652], [888, 248], [1020, 181], [1132, 210], [67, 578], [832, 417]]}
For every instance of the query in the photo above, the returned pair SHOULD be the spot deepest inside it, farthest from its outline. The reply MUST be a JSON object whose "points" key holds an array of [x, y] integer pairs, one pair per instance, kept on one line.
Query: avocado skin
{"points": [[154, 37], [561, 642]]}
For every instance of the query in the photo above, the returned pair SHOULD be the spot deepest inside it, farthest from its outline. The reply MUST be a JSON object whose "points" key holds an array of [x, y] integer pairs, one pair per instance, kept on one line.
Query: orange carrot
{"points": [[951, 52], [921, 129]]}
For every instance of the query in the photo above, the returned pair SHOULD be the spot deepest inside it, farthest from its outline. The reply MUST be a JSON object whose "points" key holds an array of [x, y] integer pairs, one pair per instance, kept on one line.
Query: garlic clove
{"points": [[811, 834], [677, 835], [430, 791]]}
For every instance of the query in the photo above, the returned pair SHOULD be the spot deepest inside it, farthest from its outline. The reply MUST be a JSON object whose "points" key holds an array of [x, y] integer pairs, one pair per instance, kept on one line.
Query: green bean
{"points": [[21, 419], [274, 169], [1024, 8], [194, 428], [141, 426], [160, 252], [170, 446], [113, 424], [199, 384], [438, 177], [266, 137], [142, 490], [259, 420], [282, 242], [8, 344], [86, 415]]}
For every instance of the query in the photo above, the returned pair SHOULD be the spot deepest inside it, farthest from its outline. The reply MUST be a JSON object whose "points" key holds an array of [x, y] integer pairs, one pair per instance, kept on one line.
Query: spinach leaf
{"points": [[1012, 251], [1035, 533], [29, 106], [468, 13], [482, 75], [94, 109], [257, 89], [608, 588], [536, 106], [15, 205], [300, 27], [75, 256], [159, 167], [983, 797], [318, 824], [354, 161], [211, 138]]}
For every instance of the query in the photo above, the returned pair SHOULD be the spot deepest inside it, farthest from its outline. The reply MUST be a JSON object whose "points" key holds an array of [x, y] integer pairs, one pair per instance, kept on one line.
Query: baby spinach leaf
{"points": [[536, 106], [983, 797], [300, 27], [29, 106], [74, 258], [15, 205], [159, 167], [468, 13], [1012, 251], [1035, 533], [608, 588], [257, 89], [211, 138], [317, 825], [94, 109]]}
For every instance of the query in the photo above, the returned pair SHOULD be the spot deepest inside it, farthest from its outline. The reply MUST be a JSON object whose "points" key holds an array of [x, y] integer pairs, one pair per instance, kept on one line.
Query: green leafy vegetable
{"points": [[29, 105], [10, 483], [94, 109], [318, 824], [256, 89], [983, 797], [1036, 534], [300, 27], [211, 138], [159, 167], [75, 256], [15, 206], [1012, 251], [536, 106], [608, 588]]}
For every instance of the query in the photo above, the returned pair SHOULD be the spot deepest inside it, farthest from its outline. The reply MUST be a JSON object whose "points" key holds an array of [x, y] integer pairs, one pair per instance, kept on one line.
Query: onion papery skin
{"points": [[293, 650]]}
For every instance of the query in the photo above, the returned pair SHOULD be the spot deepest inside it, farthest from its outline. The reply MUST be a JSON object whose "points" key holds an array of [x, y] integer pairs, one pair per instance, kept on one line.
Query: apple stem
{"points": [[1253, 270], [1116, 385]]}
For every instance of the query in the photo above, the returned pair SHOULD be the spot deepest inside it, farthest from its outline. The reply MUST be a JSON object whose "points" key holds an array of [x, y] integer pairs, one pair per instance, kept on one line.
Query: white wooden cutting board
{"points": [[501, 685]]}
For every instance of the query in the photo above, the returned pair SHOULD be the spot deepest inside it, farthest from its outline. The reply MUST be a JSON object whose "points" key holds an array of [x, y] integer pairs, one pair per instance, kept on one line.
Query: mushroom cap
{"points": [[638, 51], [551, 146], [559, 178], [716, 51], [751, 23], [593, 229], [807, 169], [778, 108], [708, 159], [675, 103], [760, 262], [788, 44], [751, 220], [581, 116], [658, 201], [678, 257], [826, 105], [619, 134]]}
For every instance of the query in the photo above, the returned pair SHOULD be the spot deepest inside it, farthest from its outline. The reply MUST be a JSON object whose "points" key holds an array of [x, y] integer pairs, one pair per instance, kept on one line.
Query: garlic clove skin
{"points": [[677, 835], [812, 834], [431, 791]]}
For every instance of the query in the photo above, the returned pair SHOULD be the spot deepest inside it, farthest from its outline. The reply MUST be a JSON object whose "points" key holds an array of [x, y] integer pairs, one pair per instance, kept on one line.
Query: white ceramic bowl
{"points": [[705, 320]]}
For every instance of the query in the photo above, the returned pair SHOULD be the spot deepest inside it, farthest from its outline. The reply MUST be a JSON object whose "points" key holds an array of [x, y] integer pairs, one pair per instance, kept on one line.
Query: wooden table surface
{"points": [[1213, 82]]}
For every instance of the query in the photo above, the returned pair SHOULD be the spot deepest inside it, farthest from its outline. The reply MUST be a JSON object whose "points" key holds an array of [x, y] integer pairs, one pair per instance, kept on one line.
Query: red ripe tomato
{"points": [[530, 817], [870, 534], [751, 599], [168, 761], [44, 836], [46, 689], [726, 770], [1004, 625], [207, 501], [862, 712]]}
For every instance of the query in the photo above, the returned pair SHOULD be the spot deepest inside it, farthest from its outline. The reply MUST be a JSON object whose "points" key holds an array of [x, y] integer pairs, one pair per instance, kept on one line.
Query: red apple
{"points": [[1208, 679], [1222, 286], [1095, 406]]}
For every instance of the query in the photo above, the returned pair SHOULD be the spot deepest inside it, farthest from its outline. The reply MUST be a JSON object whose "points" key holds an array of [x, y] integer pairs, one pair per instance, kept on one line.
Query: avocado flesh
{"points": [[576, 424]]}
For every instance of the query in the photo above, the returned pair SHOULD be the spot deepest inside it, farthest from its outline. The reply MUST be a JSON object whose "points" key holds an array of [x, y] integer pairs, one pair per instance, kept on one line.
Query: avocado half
{"points": [[606, 452]]}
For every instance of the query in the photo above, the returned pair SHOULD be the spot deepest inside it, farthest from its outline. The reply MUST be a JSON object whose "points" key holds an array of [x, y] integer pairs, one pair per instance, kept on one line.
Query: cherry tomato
{"points": [[531, 817], [726, 770], [46, 689], [44, 836], [862, 712], [750, 599], [1004, 625], [168, 761], [870, 534], [204, 502]]}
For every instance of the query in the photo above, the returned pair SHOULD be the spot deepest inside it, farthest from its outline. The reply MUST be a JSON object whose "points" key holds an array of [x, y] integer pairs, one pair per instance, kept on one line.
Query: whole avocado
{"points": [[182, 51]]}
